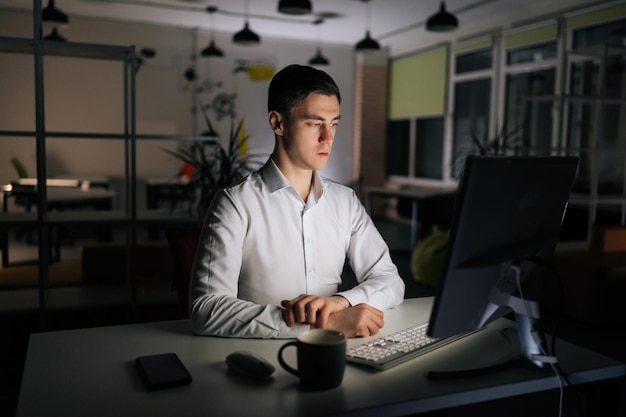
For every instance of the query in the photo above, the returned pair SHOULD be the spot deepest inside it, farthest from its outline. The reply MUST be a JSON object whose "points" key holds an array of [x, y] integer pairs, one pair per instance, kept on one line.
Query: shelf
{"points": [[86, 135], [47, 218], [67, 49], [99, 217], [16, 45], [26, 133]]}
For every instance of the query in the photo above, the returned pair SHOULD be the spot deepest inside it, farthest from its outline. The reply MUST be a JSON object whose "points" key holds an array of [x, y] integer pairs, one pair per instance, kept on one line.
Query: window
{"points": [[514, 84], [471, 120], [472, 105], [611, 33], [428, 148], [528, 116], [415, 142], [594, 109], [398, 147], [595, 115], [474, 61], [527, 122], [415, 148], [534, 53]]}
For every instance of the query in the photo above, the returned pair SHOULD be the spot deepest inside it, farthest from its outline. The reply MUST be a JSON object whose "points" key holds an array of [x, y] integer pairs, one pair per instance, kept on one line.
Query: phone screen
{"points": [[163, 370]]}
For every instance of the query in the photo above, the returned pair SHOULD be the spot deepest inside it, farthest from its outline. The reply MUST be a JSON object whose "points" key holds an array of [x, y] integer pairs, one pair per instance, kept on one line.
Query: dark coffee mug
{"points": [[321, 356]]}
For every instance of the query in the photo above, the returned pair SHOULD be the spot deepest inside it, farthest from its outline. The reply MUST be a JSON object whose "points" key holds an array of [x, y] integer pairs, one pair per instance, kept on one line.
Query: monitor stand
{"points": [[525, 343], [508, 357]]}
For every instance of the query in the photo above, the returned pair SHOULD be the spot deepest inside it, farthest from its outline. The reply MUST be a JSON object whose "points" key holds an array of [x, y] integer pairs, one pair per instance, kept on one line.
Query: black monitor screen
{"points": [[507, 210]]}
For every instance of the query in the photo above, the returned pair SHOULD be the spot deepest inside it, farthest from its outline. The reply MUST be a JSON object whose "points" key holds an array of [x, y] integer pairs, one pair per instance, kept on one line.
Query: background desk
{"points": [[61, 198], [91, 372], [416, 195], [57, 199], [171, 191]]}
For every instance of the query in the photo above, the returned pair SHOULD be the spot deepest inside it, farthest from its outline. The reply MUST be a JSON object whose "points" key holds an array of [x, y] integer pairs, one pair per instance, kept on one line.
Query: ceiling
{"points": [[398, 25]]}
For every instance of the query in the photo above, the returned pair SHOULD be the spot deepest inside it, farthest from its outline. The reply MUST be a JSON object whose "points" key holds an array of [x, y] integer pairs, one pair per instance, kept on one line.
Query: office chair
{"points": [[183, 242]]}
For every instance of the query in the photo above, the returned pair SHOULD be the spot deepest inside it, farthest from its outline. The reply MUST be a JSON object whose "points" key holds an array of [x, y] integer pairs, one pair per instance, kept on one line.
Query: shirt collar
{"points": [[318, 186], [275, 180], [272, 176]]}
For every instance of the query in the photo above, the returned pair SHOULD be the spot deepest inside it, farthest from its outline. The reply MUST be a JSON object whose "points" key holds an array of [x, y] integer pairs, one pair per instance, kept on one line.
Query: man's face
{"points": [[309, 131]]}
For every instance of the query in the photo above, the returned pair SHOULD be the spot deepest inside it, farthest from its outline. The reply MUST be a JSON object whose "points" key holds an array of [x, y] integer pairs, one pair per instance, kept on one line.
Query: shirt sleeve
{"points": [[379, 283], [214, 307]]}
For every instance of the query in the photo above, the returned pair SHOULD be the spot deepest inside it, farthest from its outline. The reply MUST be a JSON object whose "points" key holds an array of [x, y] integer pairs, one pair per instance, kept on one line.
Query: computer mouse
{"points": [[249, 364]]}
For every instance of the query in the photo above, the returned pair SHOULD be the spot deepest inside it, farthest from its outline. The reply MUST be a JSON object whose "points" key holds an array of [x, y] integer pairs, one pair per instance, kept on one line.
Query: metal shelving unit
{"points": [[127, 217], [45, 221]]}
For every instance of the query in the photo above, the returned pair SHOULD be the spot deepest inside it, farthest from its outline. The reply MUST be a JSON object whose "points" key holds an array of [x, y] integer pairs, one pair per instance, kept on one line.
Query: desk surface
{"points": [[73, 194], [414, 192], [91, 371], [60, 194]]}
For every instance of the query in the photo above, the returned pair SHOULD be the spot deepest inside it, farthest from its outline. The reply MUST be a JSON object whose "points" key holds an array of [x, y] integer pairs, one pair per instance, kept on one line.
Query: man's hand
{"points": [[361, 320], [312, 309], [333, 313]]}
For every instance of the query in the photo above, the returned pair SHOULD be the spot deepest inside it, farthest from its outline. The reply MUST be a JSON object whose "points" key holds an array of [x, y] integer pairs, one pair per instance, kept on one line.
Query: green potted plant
{"points": [[499, 145], [211, 166]]}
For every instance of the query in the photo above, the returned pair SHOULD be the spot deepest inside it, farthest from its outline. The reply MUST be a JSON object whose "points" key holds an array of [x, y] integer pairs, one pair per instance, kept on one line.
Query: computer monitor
{"points": [[507, 211]]}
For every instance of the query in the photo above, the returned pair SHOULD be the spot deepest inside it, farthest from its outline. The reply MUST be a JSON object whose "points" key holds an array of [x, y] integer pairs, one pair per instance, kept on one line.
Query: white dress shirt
{"points": [[261, 243]]}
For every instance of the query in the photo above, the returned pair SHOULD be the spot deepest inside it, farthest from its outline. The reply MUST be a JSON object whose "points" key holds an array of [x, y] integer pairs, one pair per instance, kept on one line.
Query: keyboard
{"points": [[388, 351]]}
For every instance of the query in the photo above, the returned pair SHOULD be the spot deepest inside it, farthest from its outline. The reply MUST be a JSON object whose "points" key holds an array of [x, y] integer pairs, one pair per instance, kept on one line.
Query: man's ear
{"points": [[276, 122]]}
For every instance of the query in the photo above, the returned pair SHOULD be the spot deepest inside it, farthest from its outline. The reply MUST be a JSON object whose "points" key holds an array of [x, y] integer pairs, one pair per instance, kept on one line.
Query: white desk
{"points": [[64, 197], [58, 199], [91, 372]]}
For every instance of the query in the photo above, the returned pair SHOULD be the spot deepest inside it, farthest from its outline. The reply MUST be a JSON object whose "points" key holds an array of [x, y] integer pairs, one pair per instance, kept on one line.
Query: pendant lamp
{"points": [[51, 14], [245, 36], [318, 58], [442, 21], [55, 36], [297, 7], [212, 50], [367, 43]]}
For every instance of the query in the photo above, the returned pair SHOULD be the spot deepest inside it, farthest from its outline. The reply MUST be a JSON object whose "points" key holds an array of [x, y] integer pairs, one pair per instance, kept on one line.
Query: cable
{"points": [[561, 292], [551, 360], [560, 308]]}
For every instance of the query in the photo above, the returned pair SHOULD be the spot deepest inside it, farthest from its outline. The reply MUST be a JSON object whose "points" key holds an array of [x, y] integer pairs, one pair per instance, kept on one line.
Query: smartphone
{"points": [[162, 371]]}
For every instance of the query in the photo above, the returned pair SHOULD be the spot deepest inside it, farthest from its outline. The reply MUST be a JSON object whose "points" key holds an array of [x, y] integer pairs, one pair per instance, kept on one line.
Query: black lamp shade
{"points": [[319, 59], [51, 14], [295, 6], [442, 21], [212, 50], [190, 74], [55, 36], [147, 52], [246, 37], [367, 44]]}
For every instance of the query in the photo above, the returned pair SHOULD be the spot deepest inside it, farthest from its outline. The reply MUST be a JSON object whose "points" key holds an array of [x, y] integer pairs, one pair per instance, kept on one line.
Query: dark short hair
{"points": [[294, 83]]}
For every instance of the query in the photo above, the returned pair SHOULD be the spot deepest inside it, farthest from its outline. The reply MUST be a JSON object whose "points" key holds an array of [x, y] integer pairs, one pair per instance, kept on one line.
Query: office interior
{"points": [[105, 116]]}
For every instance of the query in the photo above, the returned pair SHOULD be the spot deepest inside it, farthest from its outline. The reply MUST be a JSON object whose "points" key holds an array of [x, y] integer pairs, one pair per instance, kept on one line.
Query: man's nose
{"points": [[326, 134]]}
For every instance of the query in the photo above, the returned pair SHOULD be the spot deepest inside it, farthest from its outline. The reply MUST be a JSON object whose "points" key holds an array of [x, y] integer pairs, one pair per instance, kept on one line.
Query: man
{"points": [[273, 247]]}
